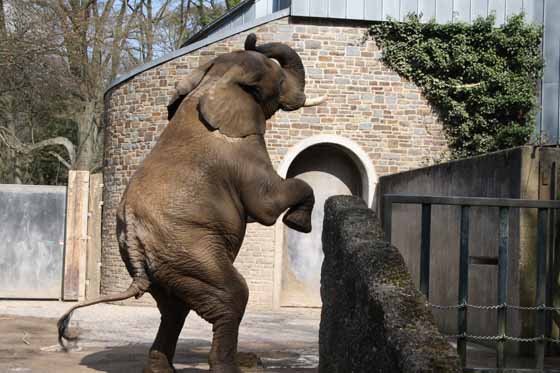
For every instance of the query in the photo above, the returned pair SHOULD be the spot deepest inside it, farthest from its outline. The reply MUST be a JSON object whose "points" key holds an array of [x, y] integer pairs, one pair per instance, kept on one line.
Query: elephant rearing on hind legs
{"points": [[183, 216]]}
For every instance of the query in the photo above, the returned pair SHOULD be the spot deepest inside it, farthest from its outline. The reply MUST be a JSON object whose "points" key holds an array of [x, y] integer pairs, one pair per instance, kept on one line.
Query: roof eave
{"points": [[218, 22]]}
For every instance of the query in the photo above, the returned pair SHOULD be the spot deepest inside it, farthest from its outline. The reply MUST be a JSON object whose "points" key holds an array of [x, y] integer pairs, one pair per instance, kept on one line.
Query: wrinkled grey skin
{"points": [[183, 216]]}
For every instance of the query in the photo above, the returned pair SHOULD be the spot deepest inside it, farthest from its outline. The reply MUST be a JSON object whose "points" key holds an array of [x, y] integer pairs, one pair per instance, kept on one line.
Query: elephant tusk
{"points": [[314, 101]]}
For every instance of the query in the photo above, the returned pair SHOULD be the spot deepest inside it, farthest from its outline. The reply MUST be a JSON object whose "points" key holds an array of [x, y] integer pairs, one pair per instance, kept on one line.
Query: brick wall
{"points": [[367, 103]]}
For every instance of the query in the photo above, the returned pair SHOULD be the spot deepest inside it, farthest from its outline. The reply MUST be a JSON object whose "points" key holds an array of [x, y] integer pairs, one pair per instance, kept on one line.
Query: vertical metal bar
{"points": [[387, 217], [463, 284], [452, 11], [558, 103], [541, 285], [552, 214], [502, 284], [543, 44], [425, 249]]}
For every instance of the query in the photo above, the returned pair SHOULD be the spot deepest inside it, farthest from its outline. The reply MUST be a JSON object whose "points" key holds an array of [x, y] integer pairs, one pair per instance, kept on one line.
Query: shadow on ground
{"points": [[191, 356], [29, 344]]}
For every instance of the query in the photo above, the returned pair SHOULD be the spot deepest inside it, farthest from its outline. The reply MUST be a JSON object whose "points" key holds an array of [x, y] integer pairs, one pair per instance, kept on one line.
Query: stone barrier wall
{"points": [[373, 318]]}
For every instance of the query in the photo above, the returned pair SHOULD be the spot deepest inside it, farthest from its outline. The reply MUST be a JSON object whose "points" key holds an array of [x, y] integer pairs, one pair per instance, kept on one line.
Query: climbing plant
{"points": [[481, 79]]}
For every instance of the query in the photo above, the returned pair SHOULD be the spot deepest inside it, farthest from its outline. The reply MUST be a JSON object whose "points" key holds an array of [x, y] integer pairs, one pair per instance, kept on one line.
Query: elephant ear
{"points": [[231, 107], [185, 86]]}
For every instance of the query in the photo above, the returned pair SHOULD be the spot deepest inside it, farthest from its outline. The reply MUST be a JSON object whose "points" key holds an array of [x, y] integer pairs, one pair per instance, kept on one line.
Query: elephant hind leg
{"points": [[173, 314], [219, 295], [226, 315]]}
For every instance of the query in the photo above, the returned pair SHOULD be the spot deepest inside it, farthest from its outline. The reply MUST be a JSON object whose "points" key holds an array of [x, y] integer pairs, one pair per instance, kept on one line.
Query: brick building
{"points": [[374, 123]]}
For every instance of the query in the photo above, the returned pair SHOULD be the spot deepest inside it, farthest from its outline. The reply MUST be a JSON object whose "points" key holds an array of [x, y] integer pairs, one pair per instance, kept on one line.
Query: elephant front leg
{"points": [[293, 194], [298, 217]]}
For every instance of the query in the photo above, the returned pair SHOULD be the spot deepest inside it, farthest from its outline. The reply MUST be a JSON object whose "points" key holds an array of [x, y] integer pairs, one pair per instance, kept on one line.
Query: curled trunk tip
{"points": [[251, 42]]}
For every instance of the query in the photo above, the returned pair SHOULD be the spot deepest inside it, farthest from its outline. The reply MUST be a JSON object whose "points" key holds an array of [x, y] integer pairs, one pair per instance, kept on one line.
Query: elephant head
{"points": [[243, 89]]}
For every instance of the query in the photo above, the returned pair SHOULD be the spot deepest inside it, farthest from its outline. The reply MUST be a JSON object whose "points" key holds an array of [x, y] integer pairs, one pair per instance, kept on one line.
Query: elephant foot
{"points": [[249, 360], [225, 368], [158, 363], [299, 219], [244, 361]]}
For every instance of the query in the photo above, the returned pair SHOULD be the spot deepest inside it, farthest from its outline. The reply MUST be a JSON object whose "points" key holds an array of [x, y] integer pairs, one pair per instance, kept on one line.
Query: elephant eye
{"points": [[254, 91]]}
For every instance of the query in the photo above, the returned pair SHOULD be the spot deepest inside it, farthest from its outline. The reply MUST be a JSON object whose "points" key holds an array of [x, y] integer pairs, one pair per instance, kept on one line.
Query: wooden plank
{"points": [[93, 274], [75, 254], [470, 201]]}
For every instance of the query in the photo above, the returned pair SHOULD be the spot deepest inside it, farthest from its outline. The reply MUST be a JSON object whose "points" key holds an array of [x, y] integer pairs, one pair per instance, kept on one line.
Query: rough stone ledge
{"points": [[373, 317]]}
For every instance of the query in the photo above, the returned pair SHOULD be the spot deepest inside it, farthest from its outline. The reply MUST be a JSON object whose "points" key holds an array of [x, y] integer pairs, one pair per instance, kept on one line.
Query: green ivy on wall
{"points": [[480, 79]]}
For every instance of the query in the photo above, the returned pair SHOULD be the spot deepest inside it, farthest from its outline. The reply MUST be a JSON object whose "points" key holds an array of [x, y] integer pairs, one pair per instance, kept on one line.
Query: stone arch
{"points": [[353, 150], [324, 160]]}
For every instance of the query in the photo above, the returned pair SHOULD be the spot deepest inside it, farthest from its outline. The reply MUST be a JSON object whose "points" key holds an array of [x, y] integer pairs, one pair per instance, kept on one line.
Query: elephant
{"points": [[183, 215]]}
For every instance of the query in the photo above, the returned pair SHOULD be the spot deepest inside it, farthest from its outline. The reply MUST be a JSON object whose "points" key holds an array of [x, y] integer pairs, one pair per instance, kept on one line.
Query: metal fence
{"points": [[543, 292]]}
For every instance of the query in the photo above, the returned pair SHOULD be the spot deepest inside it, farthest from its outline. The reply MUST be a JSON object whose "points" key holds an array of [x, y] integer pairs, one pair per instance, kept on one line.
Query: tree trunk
{"points": [[14, 157], [149, 27], [87, 137], [2, 20]]}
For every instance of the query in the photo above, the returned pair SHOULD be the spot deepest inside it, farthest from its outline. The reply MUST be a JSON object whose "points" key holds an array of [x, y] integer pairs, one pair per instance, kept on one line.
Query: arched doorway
{"points": [[331, 169]]}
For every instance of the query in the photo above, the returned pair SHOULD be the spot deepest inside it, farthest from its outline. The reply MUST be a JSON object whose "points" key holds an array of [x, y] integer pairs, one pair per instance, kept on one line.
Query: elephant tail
{"points": [[136, 289]]}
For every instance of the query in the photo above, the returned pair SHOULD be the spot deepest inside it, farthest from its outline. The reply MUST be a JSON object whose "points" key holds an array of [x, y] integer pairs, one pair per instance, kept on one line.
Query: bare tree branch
{"points": [[63, 141], [61, 160]]}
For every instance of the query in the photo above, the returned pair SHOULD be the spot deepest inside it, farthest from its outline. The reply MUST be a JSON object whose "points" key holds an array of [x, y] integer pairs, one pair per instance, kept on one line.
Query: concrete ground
{"points": [[116, 338]]}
